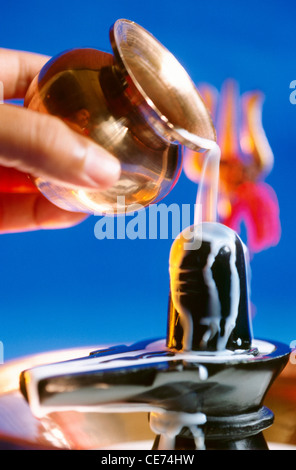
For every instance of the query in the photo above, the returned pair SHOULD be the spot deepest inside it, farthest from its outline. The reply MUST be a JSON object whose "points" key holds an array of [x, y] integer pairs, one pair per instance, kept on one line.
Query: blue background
{"points": [[61, 289]]}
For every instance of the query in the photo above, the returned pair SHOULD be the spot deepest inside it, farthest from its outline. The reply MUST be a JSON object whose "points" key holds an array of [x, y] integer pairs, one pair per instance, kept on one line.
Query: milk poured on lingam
{"points": [[203, 385]]}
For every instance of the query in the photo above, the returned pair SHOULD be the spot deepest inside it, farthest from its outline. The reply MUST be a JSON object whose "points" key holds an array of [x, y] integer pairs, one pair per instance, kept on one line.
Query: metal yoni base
{"points": [[223, 393]]}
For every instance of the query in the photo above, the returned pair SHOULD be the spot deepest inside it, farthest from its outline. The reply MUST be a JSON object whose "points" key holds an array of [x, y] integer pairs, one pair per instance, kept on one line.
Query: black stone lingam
{"points": [[209, 314], [209, 308], [203, 386]]}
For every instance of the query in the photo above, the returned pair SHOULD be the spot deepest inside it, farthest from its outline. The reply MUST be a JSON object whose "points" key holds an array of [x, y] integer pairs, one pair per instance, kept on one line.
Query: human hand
{"points": [[42, 146]]}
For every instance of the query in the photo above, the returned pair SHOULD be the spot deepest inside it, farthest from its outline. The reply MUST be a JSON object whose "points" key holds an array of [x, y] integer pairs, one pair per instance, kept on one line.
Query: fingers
{"points": [[45, 147], [42, 146], [27, 212], [17, 70], [14, 181]]}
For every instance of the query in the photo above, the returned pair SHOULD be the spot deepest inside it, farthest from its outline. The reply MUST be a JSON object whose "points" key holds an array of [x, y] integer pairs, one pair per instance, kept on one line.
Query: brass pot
{"points": [[132, 103]]}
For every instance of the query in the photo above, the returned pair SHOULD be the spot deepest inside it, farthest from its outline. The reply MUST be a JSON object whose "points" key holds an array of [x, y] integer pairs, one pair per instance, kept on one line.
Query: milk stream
{"points": [[168, 424], [208, 189], [205, 211]]}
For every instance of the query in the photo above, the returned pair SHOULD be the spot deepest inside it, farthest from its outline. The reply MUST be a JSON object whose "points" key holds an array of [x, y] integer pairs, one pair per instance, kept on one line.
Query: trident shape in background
{"points": [[246, 161]]}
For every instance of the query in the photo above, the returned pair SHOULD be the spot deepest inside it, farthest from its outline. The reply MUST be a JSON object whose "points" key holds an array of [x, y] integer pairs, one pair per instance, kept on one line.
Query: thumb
{"points": [[44, 146]]}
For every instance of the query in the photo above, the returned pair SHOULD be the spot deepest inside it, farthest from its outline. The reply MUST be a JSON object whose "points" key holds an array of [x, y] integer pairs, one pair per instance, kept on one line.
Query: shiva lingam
{"points": [[203, 386]]}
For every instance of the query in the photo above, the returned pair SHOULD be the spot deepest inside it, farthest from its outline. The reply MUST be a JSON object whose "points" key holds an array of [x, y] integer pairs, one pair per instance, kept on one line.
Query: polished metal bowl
{"points": [[133, 104]]}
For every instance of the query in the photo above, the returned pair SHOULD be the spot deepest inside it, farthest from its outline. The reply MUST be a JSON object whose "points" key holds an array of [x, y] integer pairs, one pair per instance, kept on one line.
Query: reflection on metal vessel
{"points": [[132, 104]]}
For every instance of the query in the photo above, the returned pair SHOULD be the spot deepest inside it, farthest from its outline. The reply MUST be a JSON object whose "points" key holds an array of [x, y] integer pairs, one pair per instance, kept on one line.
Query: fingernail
{"points": [[101, 167]]}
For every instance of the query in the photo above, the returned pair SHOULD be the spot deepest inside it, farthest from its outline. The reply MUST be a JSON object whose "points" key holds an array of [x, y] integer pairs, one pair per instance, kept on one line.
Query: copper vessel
{"points": [[132, 103]]}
